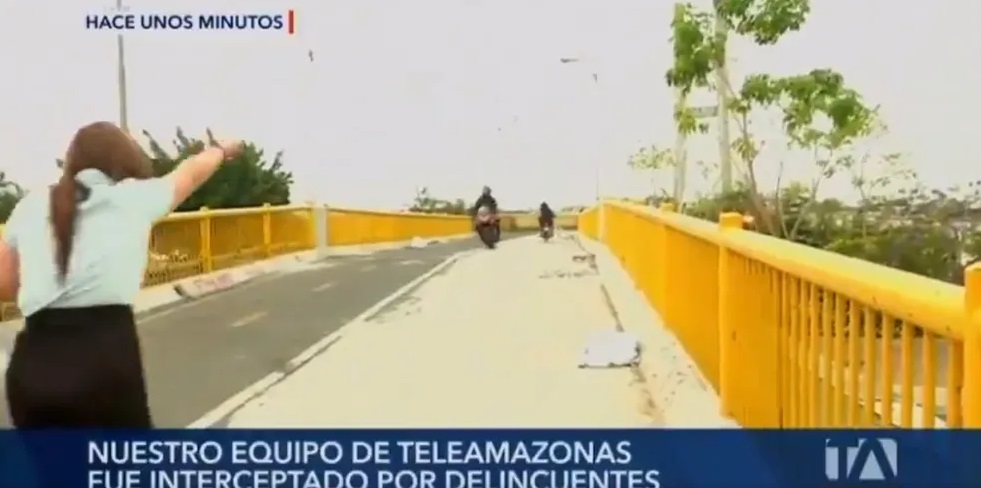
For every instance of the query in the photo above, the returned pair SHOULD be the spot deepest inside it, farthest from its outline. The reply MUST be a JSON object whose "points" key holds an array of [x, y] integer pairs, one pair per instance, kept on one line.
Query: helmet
{"points": [[486, 190]]}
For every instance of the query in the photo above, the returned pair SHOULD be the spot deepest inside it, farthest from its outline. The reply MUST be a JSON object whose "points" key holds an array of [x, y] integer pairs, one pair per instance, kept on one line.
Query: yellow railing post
{"points": [[727, 332], [971, 394], [311, 226], [266, 229], [207, 263]]}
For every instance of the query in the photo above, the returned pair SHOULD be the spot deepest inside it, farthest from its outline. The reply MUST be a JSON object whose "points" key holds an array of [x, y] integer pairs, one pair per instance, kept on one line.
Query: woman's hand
{"points": [[194, 171], [231, 148]]}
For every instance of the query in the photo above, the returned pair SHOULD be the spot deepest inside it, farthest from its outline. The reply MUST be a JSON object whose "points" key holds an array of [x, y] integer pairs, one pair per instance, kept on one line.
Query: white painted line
{"points": [[236, 401], [370, 267], [248, 319], [410, 262], [254, 390], [323, 287]]}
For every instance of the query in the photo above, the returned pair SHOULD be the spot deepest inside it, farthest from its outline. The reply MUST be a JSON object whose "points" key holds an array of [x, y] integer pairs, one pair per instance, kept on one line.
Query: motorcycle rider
{"points": [[546, 217], [486, 200]]}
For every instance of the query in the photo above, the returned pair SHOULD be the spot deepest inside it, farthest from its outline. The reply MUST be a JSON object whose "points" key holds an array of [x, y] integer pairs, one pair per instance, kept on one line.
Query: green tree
{"points": [[652, 161], [897, 222], [699, 40], [424, 202], [248, 181], [10, 194]]}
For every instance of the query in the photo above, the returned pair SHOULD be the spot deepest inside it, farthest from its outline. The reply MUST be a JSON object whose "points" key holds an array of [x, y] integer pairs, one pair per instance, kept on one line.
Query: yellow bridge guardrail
{"points": [[529, 221], [796, 337], [191, 243]]}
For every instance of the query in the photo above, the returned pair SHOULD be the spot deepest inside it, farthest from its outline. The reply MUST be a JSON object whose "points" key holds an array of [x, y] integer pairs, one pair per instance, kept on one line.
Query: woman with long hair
{"points": [[74, 259]]}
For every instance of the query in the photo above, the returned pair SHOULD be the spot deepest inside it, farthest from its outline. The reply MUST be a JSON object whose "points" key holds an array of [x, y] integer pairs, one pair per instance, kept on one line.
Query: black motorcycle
{"points": [[488, 227]]}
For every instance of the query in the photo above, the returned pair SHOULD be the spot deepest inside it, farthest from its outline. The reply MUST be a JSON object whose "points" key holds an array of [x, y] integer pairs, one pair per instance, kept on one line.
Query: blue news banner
{"points": [[379, 458]]}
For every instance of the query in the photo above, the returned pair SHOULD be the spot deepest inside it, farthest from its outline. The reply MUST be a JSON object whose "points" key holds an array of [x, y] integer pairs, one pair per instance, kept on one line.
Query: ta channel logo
{"points": [[870, 459]]}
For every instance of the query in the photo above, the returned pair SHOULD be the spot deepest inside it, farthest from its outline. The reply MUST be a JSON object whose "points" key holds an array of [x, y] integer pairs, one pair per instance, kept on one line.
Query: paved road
{"points": [[198, 354]]}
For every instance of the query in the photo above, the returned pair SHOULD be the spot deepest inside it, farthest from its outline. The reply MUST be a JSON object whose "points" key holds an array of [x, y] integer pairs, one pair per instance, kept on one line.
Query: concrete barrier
{"points": [[199, 286], [156, 296]]}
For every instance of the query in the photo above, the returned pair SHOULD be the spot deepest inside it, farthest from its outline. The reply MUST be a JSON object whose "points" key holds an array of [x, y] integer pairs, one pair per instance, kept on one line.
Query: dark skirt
{"points": [[78, 368]]}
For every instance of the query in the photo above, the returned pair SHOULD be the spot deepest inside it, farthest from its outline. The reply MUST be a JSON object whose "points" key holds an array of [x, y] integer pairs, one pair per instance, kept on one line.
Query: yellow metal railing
{"points": [[589, 222], [192, 243], [796, 337], [529, 221], [348, 226]]}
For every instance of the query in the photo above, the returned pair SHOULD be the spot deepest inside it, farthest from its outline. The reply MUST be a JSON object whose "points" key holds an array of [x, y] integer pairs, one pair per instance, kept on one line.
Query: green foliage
{"points": [[650, 158], [802, 98], [924, 231], [766, 21], [249, 180], [426, 203], [10, 194], [699, 47], [696, 52], [897, 221], [807, 101]]}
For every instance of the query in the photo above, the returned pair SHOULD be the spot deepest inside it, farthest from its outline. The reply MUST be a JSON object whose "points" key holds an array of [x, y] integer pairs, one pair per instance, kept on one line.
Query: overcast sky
{"points": [[455, 94]]}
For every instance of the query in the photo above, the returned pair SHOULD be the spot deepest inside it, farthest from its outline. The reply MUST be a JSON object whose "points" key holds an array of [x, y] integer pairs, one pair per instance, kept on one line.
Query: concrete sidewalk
{"points": [[493, 340]]}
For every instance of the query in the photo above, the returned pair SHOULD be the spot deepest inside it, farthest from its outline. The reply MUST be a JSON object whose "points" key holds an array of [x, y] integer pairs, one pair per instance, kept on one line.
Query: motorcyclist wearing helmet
{"points": [[485, 200]]}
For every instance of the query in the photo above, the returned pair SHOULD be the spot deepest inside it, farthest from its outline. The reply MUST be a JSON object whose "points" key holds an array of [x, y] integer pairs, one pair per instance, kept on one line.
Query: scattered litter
{"points": [[611, 349], [418, 243], [581, 273]]}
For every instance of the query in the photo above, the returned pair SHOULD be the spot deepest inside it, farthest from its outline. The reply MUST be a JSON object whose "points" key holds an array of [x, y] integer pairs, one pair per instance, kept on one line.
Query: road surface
{"points": [[198, 354], [465, 351]]}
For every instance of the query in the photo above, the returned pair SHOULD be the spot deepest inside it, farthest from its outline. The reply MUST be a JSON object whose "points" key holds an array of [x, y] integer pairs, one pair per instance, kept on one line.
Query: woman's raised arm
{"points": [[194, 171], [9, 272]]}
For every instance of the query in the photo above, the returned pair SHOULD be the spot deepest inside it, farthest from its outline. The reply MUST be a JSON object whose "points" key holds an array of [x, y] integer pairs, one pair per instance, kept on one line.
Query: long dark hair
{"points": [[101, 146]]}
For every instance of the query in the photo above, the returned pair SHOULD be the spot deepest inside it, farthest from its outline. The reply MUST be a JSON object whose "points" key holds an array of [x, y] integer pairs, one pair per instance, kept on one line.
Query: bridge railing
{"points": [[192, 243], [792, 336]]}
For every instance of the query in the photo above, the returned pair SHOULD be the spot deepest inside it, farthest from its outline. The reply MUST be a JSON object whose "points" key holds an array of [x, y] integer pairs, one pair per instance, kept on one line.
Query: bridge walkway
{"points": [[487, 339]]}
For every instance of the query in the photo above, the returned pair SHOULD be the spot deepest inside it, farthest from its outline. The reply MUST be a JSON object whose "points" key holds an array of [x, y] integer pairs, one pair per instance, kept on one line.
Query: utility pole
{"points": [[121, 80], [722, 93]]}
